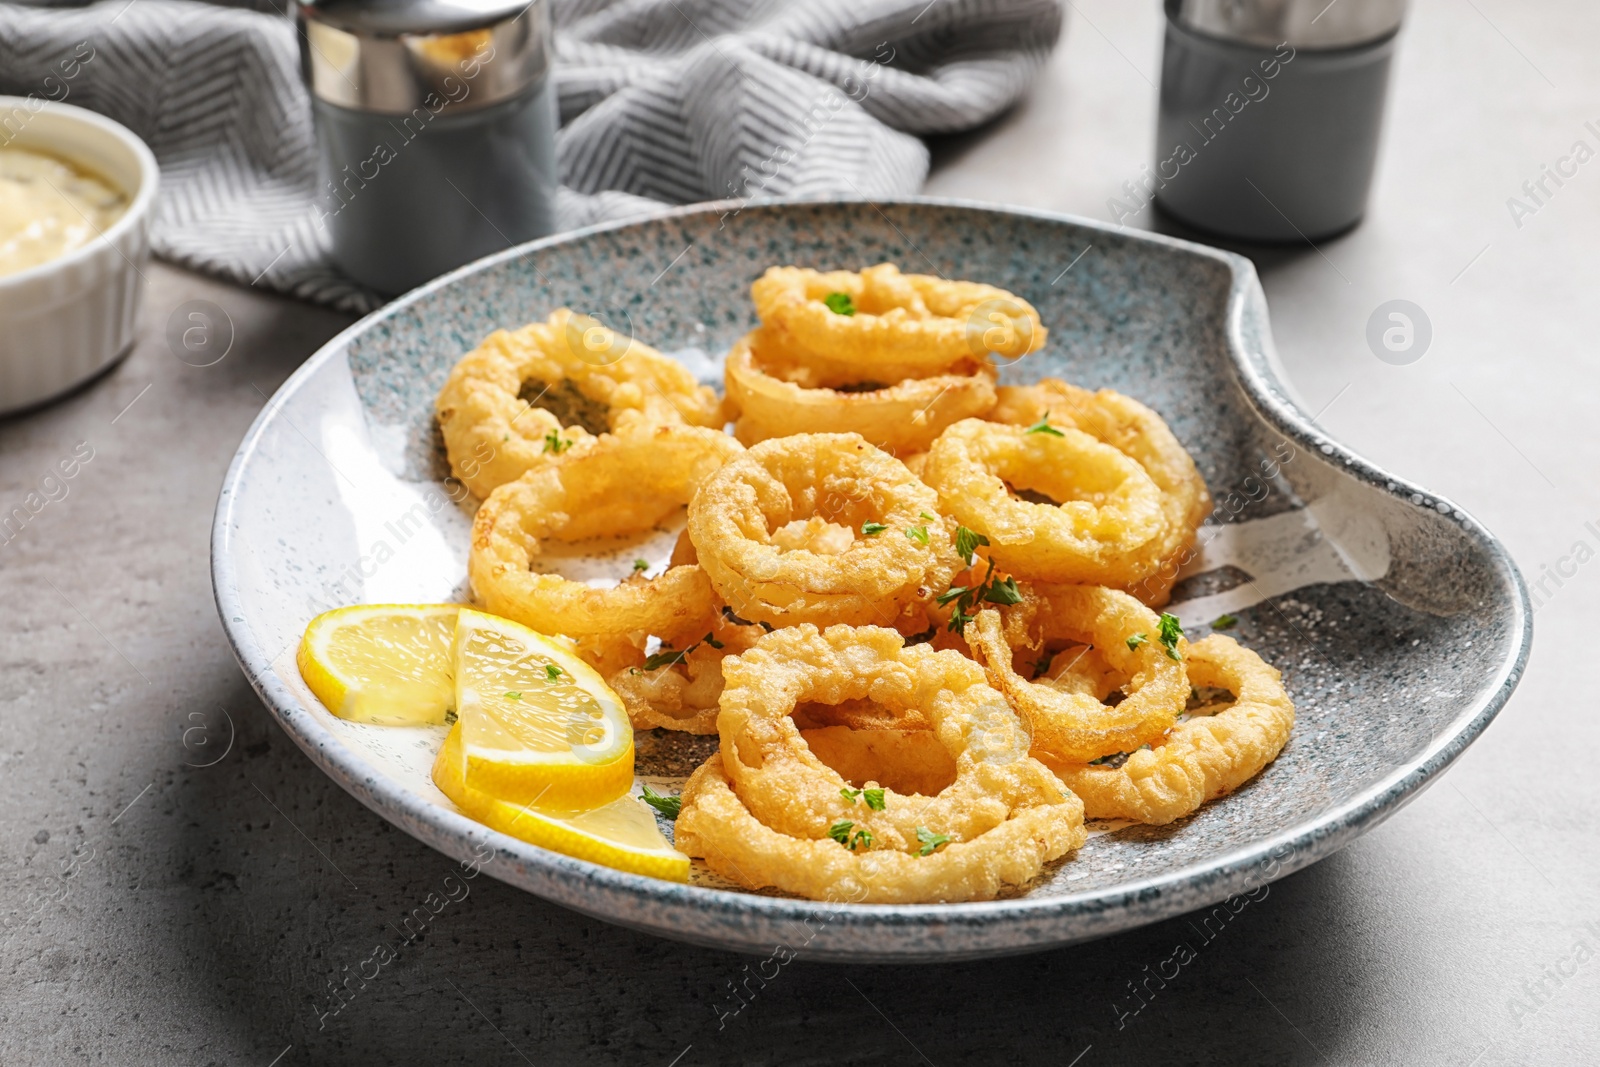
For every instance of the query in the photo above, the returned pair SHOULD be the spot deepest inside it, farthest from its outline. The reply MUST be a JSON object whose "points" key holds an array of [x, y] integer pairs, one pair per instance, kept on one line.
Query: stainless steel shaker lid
{"points": [[1309, 24], [394, 56]]}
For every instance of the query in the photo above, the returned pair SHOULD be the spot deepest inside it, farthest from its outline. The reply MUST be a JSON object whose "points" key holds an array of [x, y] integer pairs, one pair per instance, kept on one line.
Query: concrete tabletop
{"points": [[169, 898]]}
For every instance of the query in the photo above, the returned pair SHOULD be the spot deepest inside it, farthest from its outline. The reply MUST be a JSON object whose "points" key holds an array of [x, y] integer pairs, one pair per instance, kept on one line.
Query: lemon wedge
{"points": [[621, 833], [387, 664], [539, 726]]}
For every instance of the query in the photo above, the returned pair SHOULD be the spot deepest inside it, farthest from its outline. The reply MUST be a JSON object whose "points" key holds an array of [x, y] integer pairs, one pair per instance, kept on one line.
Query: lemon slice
{"points": [[382, 663], [621, 834], [538, 725]]}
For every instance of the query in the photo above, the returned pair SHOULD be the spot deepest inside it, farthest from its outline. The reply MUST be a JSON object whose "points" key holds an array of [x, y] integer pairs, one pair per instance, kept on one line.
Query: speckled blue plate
{"points": [[1400, 624]]}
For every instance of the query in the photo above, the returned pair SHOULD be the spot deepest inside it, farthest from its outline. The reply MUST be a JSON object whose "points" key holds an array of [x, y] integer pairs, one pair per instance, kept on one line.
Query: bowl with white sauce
{"points": [[76, 191]]}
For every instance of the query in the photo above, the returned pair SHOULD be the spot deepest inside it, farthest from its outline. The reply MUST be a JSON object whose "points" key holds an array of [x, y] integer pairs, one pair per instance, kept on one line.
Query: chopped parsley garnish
{"points": [[930, 840], [967, 542], [640, 565], [919, 534], [668, 806], [1224, 622], [874, 798], [863, 839], [1043, 426], [554, 442], [967, 598], [1171, 630], [552, 672], [1004, 592], [840, 831], [1135, 641], [840, 303], [872, 529], [929, 518], [513, 696]]}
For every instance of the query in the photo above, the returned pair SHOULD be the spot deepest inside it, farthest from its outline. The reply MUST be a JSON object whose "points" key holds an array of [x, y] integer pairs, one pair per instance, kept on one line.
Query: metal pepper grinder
{"points": [[1270, 114], [435, 126]]}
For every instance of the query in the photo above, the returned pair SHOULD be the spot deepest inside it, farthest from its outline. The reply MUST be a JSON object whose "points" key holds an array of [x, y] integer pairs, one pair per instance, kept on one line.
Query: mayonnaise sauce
{"points": [[49, 207]]}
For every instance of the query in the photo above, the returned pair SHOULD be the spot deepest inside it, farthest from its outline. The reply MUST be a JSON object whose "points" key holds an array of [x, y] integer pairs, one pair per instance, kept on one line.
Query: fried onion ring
{"points": [[1135, 430], [1104, 531], [900, 325], [742, 519], [615, 485], [903, 417], [492, 435], [763, 810], [1202, 759], [1070, 723]]}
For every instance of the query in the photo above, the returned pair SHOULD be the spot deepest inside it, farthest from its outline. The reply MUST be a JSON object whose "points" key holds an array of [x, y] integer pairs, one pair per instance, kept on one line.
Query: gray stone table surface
{"points": [[156, 911]]}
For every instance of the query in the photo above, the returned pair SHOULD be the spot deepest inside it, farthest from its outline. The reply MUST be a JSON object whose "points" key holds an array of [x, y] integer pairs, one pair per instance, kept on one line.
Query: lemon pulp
{"points": [[388, 664]]}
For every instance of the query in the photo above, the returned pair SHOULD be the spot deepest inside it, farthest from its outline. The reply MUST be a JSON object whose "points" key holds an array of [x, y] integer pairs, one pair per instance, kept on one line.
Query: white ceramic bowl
{"points": [[65, 320]]}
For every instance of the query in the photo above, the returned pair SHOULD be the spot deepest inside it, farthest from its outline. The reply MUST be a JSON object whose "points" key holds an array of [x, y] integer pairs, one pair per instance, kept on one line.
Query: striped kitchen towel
{"points": [[662, 102]]}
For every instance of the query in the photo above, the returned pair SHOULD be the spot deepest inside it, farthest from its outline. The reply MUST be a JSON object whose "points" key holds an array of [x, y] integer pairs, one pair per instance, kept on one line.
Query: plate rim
{"points": [[1157, 897]]}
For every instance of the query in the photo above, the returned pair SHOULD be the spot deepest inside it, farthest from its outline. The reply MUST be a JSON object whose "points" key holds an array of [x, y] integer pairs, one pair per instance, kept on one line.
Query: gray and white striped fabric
{"points": [[662, 102]]}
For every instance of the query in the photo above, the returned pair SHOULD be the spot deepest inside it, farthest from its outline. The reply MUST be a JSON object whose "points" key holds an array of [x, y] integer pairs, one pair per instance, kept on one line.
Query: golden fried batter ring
{"points": [[903, 417], [790, 790], [492, 435], [782, 530], [1069, 722], [714, 824], [1202, 759], [1105, 530], [765, 810], [901, 325], [613, 485], [1131, 428]]}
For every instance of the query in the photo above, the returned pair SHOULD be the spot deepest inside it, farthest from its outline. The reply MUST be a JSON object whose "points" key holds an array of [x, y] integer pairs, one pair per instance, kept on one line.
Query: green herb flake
{"points": [[872, 529], [852, 795], [1135, 641], [1171, 629], [1003, 592], [554, 442], [874, 798], [712, 641], [967, 542], [929, 518], [840, 303], [552, 672], [450, 717], [1224, 622], [930, 840], [640, 565], [862, 840], [919, 534], [840, 831], [955, 592], [513, 696], [667, 806], [1043, 426]]}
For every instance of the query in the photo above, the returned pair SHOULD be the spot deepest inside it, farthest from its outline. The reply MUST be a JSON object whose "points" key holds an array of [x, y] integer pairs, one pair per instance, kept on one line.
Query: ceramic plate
{"points": [[1400, 624]]}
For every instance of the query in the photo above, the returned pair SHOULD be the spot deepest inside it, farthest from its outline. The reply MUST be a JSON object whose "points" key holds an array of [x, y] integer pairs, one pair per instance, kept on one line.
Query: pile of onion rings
{"points": [[919, 611]]}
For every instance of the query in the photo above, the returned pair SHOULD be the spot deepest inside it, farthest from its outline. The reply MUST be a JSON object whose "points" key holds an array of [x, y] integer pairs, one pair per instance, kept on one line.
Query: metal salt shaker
{"points": [[436, 124], [1270, 114]]}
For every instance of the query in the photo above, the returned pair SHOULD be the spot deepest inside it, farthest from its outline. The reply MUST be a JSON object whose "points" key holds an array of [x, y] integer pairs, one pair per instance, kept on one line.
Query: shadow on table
{"points": [[294, 904]]}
